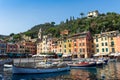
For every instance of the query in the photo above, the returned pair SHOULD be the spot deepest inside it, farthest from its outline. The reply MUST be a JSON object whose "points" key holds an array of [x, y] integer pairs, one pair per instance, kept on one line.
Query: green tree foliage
{"points": [[12, 34], [17, 37], [104, 22]]}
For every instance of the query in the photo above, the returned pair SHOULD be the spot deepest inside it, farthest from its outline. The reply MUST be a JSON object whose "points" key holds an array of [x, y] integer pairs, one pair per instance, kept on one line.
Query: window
{"points": [[96, 39], [79, 44], [64, 50], [102, 44], [68, 40], [97, 50], [80, 50], [64, 46], [97, 45], [87, 50], [106, 44], [112, 43], [60, 45], [92, 46], [102, 49], [64, 40], [83, 50], [69, 45], [69, 50], [101, 39], [111, 38], [83, 44], [105, 38], [113, 50], [106, 49], [74, 40], [75, 44]]}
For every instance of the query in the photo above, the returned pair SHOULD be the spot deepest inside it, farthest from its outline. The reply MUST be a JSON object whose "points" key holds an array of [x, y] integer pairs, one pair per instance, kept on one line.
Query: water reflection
{"points": [[40, 76], [86, 74], [1, 72], [108, 72]]}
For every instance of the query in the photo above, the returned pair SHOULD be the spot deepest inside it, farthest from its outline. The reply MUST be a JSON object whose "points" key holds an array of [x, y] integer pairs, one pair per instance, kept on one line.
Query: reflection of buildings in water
{"points": [[79, 74], [118, 70], [110, 71], [1, 72]]}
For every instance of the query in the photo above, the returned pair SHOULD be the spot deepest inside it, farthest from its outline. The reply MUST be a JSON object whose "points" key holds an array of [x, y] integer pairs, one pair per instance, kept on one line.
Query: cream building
{"points": [[105, 43], [93, 14], [44, 43]]}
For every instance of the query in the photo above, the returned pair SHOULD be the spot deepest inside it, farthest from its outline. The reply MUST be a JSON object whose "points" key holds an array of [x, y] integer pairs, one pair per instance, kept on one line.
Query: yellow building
{"points": [[59, 46], [39, 47], [69, 48], [104, 43], [66, 46]]}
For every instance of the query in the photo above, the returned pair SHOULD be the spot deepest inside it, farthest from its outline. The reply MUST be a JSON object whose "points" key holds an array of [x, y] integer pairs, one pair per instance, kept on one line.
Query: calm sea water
{"points": [[110, 71]]}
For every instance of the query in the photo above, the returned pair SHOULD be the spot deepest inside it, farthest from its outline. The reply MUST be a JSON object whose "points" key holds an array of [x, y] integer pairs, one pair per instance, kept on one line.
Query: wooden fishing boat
{"points": [[41, 69], [83, 65]]}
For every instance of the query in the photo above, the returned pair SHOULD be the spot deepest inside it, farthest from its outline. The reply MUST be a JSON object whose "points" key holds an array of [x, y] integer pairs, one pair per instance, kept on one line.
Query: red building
{"points": [[12, 48]]}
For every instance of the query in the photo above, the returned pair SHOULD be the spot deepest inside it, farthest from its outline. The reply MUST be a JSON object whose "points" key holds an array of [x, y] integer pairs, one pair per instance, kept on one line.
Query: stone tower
{"points": [[40, 34]]}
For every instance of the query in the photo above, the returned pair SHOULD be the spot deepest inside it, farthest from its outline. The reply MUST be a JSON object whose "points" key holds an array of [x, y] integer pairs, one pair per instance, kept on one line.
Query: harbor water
{"points": [[110, 71]]}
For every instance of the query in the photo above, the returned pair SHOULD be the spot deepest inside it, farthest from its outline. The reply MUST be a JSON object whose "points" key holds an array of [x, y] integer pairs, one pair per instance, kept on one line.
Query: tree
{"points": [[52, 23], [81, 14], [11, 34]]}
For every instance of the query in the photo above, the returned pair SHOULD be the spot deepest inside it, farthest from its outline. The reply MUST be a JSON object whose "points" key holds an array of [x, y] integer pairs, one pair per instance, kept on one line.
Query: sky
{"points": [[21, 15]]}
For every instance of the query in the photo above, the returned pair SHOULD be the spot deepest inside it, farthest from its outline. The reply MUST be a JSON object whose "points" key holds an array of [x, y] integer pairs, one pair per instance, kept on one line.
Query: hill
{"points": [[104, 22], [3, 36]]}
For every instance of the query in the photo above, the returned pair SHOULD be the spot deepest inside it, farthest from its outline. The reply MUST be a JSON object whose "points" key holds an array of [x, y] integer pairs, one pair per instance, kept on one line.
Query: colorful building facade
{"points": [[3, 47], [117, 43], [105, 43], [82, 44], [12, 48], [30, 47]]}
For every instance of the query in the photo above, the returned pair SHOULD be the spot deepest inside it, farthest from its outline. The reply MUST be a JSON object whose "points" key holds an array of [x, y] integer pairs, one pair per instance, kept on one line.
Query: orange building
{"points": [[82, 44], [65, 32], [118, 43], [30, 47]]}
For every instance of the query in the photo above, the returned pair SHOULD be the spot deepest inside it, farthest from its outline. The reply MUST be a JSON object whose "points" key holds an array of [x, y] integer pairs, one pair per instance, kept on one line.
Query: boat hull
{"points": [[82, 65], [22, 70]]}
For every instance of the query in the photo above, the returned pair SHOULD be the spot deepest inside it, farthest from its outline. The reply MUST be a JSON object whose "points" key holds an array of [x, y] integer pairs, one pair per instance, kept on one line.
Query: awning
{"points": [[98, 54], [104, 54], [42, 55], [66, 55], [112, 54], [117, 54], [59, 54]]}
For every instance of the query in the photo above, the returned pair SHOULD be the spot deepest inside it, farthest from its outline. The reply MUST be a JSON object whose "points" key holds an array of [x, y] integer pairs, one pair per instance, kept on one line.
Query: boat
{"points": [[103, 60], [44, 68], [7, 65], [83, 65]]}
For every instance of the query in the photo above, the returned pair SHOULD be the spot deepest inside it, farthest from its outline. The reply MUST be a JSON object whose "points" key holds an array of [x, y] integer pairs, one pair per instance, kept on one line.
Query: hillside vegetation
{"points": [[104, 22]]}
